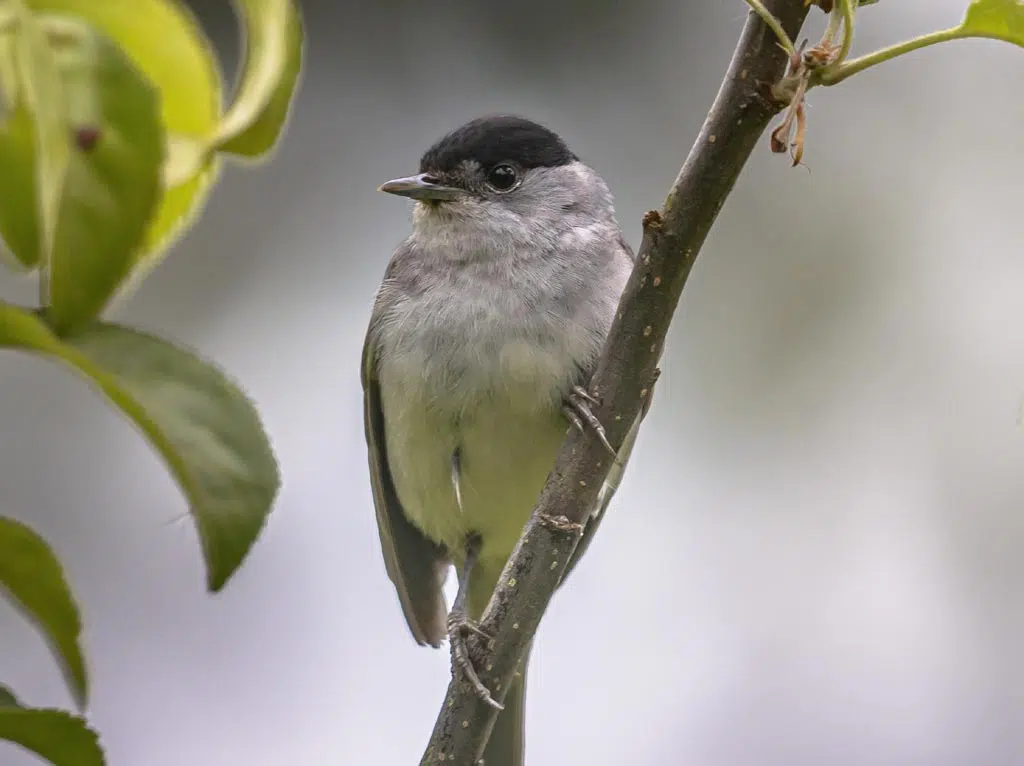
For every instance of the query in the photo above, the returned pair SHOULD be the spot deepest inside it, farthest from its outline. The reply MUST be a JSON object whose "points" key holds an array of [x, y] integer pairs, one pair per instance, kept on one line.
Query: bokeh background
{"points": [[818, 552]]}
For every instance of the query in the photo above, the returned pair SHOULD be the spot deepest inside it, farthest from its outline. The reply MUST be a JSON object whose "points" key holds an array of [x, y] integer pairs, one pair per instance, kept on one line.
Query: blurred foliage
{"points": [[112, 132], [33, 578], [59, 737]]}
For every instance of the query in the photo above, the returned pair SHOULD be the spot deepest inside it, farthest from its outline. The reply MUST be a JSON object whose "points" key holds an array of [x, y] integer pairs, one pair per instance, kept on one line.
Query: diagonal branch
{"points": [[623, 380]]}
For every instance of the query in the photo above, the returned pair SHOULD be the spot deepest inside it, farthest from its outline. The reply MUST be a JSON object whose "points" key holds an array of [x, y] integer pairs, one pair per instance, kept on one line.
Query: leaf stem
{"points": [[773, 24], [846, 8], [834, 20], [835, 75]]}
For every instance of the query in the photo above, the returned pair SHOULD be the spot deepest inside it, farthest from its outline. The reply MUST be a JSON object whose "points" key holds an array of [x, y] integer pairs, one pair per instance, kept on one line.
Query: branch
{"points": [[623, 379]]}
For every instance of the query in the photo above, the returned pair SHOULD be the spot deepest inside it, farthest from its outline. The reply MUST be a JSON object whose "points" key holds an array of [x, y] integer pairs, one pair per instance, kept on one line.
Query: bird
{"points": [[483, 335]]}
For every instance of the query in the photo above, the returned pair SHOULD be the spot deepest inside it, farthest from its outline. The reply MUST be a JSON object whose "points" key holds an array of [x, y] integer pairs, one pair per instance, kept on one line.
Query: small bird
{"points": [[483, 336]]}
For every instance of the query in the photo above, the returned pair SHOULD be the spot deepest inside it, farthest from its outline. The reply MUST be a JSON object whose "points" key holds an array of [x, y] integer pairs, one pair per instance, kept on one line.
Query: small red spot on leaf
{"points": [[86, 138]]}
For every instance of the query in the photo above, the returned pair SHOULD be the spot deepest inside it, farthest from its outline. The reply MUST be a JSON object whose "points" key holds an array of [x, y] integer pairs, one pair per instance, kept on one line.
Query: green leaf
{"points": [[205, 428], [63, 739], [273, 61], [113, 179], [166, 43], [163, 39], [60, 738], [18, 210], [7, 698], [33, 578], [202, 425], [1002, 19], [8, 67], [19, 207], [40, 92]]}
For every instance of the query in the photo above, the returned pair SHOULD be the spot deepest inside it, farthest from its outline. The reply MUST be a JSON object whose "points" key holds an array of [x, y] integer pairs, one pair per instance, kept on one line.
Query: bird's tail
{"points": [[507, 743]]}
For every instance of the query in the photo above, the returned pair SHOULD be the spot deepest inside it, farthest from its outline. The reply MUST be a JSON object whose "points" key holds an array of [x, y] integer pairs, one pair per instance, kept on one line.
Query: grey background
{"points": [[818, 553]]}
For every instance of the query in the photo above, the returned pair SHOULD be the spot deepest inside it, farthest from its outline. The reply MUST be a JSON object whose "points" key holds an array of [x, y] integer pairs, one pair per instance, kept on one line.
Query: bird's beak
{"points": [[423, 186]]}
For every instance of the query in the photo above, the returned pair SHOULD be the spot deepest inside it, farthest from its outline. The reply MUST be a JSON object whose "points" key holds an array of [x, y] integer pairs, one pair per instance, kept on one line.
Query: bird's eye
{"points": [[502, 177]]}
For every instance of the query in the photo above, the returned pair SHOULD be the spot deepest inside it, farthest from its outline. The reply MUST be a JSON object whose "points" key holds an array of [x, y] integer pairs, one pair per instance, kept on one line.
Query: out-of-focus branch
{"points": [[623, 381]]}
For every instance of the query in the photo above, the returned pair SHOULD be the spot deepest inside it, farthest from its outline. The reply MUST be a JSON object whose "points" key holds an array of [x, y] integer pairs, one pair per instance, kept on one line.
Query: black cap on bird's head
{"points": [[492, 140], [499, 146]]}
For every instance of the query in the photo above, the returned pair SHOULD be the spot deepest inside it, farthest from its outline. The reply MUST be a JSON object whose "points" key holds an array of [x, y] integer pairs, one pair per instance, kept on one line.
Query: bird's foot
{"points": [[577, 409], [459, 629]]}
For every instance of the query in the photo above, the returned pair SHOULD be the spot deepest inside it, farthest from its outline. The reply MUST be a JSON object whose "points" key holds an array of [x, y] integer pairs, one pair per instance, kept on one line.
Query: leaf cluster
{"points": [[113, 131]]}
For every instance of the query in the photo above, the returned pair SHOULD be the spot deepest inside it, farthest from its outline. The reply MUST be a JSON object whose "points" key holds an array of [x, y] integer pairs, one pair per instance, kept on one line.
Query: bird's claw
{"points": [[585, 395], [459, 628], [577, 409]]}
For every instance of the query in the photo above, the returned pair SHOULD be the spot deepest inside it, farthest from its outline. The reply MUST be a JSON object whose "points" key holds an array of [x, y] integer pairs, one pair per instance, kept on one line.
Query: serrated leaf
{"points": [[201, 424], [113, 179], [59, 737], [207, 431], [169, 47], [1001, 19], [273, 61], [34, 579]]}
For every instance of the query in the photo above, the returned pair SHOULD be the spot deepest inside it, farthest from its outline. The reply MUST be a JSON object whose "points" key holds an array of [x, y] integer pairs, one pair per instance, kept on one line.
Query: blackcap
{"points": [[484, 332]]}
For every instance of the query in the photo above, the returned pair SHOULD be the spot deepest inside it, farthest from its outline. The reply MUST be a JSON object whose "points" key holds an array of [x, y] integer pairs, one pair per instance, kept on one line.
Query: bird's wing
{"points": [[416, 565], [611, 482]]}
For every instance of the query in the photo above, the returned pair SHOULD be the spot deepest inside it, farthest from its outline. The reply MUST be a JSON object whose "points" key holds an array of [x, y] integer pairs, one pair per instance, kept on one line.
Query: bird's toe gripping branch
{"points": [[460, 627], [577, 409]]}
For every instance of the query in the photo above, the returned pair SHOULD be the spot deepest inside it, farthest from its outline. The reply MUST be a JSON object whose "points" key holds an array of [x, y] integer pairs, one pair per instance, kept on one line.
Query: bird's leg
{"points": [[460, 626], [577, 409]]}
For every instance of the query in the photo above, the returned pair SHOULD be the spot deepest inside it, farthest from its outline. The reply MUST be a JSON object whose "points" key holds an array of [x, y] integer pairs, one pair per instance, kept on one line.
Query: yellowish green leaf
{"points": [[273, 61], [19, 206], [1001, 19], [113, 180], [167, 44], [40, 91], [8, 67]]}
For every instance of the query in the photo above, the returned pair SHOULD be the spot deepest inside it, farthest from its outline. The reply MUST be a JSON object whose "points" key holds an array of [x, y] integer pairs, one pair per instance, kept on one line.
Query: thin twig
{"points": [[622, 383]]}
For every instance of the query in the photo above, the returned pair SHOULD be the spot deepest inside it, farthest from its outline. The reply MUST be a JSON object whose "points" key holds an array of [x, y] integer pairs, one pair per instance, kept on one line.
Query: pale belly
{"points": [[505, 455]]}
